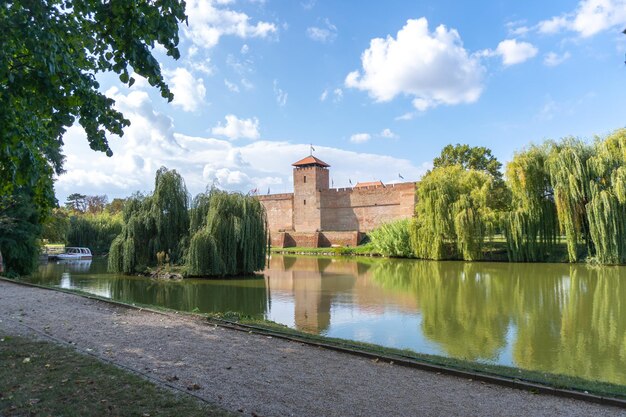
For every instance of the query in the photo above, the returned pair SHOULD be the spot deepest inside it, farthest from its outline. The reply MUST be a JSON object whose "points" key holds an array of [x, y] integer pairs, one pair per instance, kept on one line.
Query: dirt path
{"points": [[263, 376]]}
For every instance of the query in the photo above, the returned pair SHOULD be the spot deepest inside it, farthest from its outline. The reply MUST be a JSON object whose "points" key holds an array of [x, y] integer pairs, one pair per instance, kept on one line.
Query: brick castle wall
{"points": [[308, 184], [279, 210], [364, 209], [341, 215]]}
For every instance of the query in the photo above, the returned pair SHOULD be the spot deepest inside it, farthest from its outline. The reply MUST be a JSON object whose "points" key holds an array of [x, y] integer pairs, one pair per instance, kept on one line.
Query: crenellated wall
{"points": [[341, 214], [364, 209]]}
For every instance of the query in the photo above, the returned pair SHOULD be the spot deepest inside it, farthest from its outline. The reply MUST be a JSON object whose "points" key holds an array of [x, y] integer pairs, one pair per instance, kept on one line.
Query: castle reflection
{"points": [[558, 318]]}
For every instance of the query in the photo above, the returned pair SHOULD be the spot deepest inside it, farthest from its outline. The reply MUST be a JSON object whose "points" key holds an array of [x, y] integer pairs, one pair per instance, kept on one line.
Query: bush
{"points": [[393, 239]]}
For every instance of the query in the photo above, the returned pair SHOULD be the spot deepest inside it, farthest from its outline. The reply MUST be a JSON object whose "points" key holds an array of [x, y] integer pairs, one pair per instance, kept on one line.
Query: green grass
{"points": [[551, 380], [54, 248], [44, 379], [494, 250], [362, 250]]}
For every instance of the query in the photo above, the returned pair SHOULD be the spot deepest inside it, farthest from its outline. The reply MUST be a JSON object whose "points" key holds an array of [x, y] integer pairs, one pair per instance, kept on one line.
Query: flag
{"points": [[350, 181], [332, 183], [268, 190], [312, 149], [400, 176]]}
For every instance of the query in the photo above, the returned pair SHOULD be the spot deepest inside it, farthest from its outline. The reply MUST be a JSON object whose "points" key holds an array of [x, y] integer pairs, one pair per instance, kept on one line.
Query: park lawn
{"points": [[43, 378]]}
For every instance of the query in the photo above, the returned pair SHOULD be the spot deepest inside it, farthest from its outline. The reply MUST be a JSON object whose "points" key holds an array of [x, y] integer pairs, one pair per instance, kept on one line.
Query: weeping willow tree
{"points": [[153, 224], [566, 165], [456, 208], [606, 209], [531, 228], [229, 235], [95, 231]]}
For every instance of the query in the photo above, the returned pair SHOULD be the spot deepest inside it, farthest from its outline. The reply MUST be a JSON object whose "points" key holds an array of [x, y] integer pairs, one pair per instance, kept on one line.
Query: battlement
{"points": [[400, 185], [317, 215], [283, 196]]}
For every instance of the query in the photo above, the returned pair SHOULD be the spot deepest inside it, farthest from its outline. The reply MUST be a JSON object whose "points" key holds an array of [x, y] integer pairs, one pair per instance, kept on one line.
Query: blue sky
{"points": [[378, 88]]}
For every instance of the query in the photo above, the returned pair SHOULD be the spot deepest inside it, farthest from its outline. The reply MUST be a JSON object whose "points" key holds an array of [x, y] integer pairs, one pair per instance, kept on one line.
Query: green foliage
{"points": [[572, 188], [567, 166], [153, 224], [531, 228], [606, 209], [94, 231], [232, 239], [393, 239], [478, 158], [56, 226], [455, 210], [76, 202], [19, 228], [50, 56]]}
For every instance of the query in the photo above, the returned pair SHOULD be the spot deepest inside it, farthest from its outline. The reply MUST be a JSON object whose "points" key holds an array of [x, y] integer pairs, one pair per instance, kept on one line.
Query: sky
{"points": [[376, 88]]}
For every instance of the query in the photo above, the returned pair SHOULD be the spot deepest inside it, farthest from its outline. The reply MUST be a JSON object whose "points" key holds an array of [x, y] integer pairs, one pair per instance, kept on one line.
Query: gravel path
{"points": [[260, 375]]}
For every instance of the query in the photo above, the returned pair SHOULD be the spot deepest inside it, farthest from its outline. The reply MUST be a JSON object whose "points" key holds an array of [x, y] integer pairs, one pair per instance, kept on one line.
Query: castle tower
{"points": [[310, 177]]}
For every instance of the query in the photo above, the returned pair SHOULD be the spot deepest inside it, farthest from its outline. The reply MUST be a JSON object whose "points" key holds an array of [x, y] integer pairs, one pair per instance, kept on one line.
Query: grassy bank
{"points": [[565, 382], [42, 378], [493, 251], [361, 250]]}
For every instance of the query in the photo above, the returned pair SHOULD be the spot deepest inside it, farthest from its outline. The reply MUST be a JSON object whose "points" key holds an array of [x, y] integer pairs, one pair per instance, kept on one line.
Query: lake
{"points": [[557, 318]]}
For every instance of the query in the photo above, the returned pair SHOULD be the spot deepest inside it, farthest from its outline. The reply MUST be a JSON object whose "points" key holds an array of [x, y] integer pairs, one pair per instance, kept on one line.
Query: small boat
{"points": [[73, 253]]}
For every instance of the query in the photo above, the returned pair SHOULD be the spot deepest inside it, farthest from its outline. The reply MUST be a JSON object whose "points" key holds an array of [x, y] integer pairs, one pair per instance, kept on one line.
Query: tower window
{"points": [[305, 179], [305, 202]]}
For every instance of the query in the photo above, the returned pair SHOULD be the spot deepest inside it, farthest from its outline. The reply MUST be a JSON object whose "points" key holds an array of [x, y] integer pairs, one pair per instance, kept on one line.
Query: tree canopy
{"points": [[52, 52], [454, 212], [153, 224], [50, 56], [469, 157]]}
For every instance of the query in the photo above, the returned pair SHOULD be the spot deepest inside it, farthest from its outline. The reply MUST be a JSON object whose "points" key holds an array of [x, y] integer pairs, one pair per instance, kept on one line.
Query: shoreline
{"points": [[184, 318]]}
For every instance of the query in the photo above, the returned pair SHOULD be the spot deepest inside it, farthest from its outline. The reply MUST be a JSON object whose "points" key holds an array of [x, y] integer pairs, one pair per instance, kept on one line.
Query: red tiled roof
{"points": [[310, 160], [368, 184]]}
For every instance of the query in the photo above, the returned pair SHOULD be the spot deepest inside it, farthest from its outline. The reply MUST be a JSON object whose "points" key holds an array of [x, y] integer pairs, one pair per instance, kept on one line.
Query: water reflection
{"points": [[550, 317]]}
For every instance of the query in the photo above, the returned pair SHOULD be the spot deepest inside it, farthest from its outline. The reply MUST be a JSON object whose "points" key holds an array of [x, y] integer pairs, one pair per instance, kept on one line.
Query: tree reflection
{"points": [[565, 319]]}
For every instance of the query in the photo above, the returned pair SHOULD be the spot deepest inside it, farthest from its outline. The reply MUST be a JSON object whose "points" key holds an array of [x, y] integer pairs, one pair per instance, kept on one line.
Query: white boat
{"points": [[72, 253]]}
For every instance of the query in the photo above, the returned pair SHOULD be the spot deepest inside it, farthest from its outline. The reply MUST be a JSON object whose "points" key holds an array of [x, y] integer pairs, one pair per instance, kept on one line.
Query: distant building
{"points": [[315, 215]]}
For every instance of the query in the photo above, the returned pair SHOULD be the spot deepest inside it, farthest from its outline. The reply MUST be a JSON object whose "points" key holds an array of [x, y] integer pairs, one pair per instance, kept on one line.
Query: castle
{"points": [[315, 215]]}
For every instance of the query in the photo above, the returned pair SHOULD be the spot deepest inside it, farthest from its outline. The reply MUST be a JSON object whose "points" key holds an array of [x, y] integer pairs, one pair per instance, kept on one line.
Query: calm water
{"points": [[558, 318]]}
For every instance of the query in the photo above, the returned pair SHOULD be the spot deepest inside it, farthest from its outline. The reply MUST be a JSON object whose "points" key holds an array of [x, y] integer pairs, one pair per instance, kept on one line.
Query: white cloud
{"points": [[337, 95], [245, 49], [281, 95], [151, 142], [387, 133], [231, 86], [327, 33], [247, 84], [517, 28], [406, 116], [209, 21], [241, 67], [201, 65], [238, 128], [553, 25], [431, 67], [188, 91], [589, 18], [514, 52], [308, 4], [552, 59], [360, 137]]}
